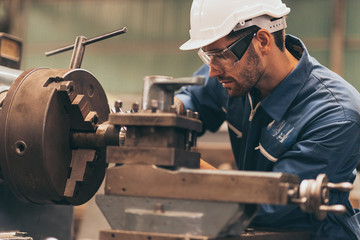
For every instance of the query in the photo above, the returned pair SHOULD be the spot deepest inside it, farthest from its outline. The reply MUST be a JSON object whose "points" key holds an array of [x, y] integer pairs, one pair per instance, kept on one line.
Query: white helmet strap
{"points": [[267, 22]]}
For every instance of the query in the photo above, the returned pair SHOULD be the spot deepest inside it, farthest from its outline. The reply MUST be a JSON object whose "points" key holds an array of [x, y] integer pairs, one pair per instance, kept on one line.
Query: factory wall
{"points": [[156, 28]]}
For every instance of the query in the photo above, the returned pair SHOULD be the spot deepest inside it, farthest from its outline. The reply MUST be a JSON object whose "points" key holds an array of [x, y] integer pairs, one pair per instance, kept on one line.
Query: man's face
{"points": [[240, 77]]}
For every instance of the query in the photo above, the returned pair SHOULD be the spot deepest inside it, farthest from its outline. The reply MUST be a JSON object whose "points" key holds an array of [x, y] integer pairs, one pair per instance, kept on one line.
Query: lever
{"points": [[79, 47], [343, 186], [337, 209], [314, 196]]}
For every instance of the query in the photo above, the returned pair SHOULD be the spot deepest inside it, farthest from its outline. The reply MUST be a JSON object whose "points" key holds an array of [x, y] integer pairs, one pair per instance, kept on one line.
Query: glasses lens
{"points": [[204, 56], [230, 55], [224, 57], [239, 47]]}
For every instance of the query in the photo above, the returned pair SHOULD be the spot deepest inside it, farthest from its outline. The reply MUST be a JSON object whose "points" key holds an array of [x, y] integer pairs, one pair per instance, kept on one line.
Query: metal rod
{"points": [[88, 41], [78, 53], [105, 36]]}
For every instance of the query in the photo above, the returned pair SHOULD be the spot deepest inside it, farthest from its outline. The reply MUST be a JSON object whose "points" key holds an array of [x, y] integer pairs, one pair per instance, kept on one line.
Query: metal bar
{"points": [[59, 50], [78, 53], [196, 184], [106, 36], [88, 41]]}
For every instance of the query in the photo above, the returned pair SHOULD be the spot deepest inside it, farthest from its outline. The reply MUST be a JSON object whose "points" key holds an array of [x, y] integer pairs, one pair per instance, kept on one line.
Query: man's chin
{"points": [[234, 94]]}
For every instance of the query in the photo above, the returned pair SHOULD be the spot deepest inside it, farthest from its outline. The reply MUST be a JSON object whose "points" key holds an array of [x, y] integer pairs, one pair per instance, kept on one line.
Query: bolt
{"points": [[189, 113], [159, 208], [154, 105], [196, 115], [135, 107], [117, 106]]}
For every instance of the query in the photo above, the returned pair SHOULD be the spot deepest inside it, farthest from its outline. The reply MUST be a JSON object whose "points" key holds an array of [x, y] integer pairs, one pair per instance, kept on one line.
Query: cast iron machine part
{"points": [[44, 117]]}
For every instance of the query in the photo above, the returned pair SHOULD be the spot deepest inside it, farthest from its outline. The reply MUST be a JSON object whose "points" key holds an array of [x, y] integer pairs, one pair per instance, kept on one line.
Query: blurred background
{"points": [[156, 29]]}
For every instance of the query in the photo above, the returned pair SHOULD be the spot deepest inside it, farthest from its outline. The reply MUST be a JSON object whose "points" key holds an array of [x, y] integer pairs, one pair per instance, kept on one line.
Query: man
{"points": [[285, 111]]}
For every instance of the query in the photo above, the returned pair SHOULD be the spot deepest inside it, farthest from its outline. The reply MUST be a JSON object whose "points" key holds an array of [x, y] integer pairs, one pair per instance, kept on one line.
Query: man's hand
{"points": [[179, 106], [206, 165]]}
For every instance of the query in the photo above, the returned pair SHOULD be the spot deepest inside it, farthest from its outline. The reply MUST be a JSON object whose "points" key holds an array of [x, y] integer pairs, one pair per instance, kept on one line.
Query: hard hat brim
{"points": [[191, 44]]}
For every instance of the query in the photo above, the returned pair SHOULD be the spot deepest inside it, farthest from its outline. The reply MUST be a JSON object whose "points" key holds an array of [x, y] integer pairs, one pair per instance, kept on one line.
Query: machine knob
{"points": [[314, 196]]}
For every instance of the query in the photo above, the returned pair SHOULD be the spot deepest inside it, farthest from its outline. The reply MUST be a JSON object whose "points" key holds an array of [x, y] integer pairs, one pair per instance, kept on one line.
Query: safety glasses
{"points": [[232, 54]]}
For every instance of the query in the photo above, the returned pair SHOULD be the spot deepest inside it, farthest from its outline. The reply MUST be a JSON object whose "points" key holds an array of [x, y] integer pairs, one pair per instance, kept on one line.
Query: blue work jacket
{"points": [[309, 124]]}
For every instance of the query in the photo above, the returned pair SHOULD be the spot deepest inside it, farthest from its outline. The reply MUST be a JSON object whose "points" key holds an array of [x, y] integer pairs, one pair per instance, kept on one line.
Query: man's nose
{"points": [[215, 70]]}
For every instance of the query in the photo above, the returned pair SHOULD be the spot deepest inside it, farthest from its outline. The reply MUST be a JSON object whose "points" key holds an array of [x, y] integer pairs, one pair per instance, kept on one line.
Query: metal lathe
{"points": [[59, 139]]}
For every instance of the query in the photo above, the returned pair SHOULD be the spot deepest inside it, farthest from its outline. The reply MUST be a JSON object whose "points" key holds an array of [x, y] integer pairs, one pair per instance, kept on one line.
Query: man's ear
{"points": [[265, 41]]}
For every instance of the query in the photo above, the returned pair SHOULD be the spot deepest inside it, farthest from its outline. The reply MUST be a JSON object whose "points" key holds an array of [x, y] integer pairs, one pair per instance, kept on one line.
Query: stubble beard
{"points": [[247, 77]]}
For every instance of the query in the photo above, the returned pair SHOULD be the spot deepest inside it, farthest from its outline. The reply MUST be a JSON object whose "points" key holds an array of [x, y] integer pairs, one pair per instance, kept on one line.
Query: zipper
{"points": [[251, 117], [253, 110]]}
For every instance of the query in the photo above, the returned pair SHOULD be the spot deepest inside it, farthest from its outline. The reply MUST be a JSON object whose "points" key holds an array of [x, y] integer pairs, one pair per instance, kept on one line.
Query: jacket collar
{"points": [[284, 94]]}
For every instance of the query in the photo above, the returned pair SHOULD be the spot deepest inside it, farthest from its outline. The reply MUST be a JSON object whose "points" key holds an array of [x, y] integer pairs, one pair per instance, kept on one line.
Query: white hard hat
{"points": [[211, 20]]}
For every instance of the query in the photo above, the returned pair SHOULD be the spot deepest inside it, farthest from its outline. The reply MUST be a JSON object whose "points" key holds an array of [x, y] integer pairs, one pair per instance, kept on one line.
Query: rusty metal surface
{"points": [[153, 156], [41, 109], [254, 235], [210, 185]]}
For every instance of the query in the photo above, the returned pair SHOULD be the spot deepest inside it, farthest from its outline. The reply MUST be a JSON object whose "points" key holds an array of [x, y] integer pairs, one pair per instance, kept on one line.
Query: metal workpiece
{"points": [[105, 135], [313, 196], [159, 138], [197, 184], [176, 216], [160, 89], [162, 119], [166, 157], [41, 111]]}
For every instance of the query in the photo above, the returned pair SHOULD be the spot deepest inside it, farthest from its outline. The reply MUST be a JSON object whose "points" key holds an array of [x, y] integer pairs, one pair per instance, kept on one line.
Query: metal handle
{"points": [[88, 41], [343, 186], [314, 196], [79, 47], [337, 209]]}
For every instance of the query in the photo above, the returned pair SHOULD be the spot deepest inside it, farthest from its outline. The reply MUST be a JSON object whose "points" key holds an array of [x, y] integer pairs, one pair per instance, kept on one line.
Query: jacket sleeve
{"points": [[331, 148], [208, 100]]}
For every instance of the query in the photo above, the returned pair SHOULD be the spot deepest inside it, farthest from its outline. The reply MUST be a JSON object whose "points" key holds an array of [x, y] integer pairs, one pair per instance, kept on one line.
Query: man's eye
{"points": [[220, 56]]}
